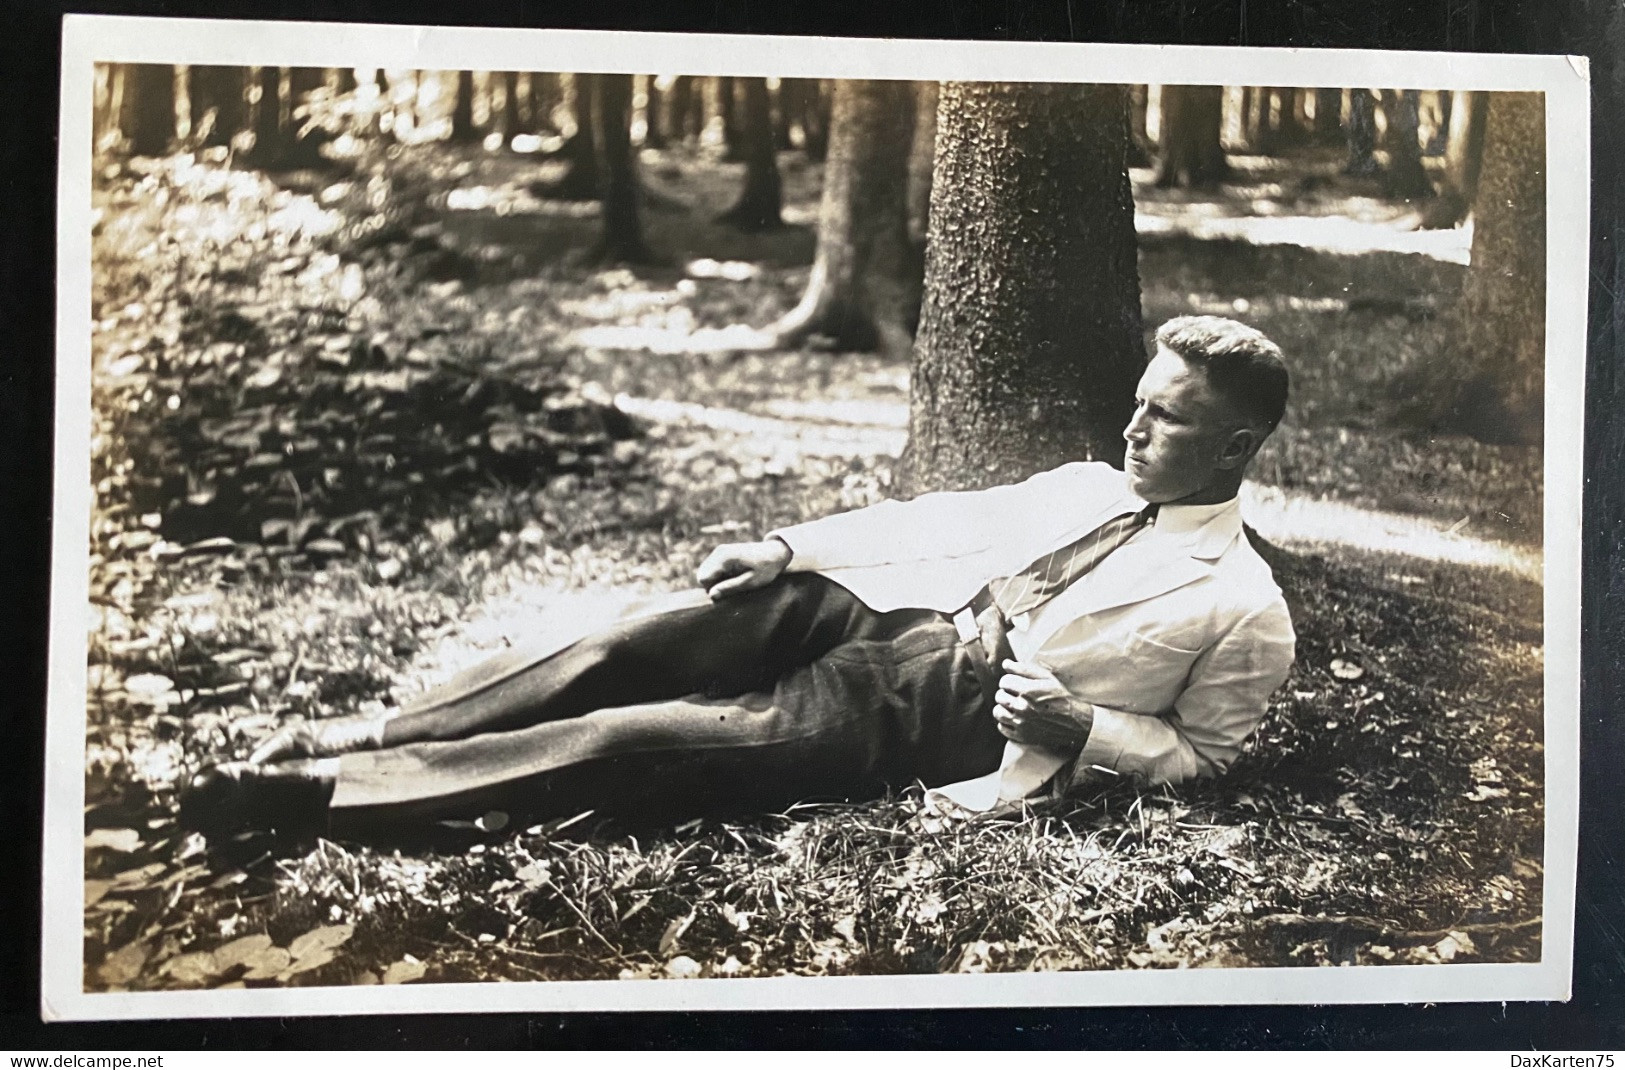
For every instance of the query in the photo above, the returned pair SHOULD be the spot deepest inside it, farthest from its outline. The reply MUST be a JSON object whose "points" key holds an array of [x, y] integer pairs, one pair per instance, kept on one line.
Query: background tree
{"points": [[270, 129], [1492, 383], [148, 108], [864, 288], [1030, 337], [1192, 119], [544, 96], [1405, 177], [1328, 124], [1361, 133], [217, 102], [817, 101], [462, 109], [685, 103], [728, 111], [1139, 142], [761, 199], [510, 124], [1463, 157], [922, 154], [654, 124], [582, 179], [622, 239]]}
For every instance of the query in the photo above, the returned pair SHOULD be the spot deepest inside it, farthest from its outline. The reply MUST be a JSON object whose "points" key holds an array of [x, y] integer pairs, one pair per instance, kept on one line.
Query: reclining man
{"points": [[991, 644]]}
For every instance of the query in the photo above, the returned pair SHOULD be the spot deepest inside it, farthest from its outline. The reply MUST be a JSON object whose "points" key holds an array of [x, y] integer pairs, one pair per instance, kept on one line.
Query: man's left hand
{"points": [[1034, 708]]}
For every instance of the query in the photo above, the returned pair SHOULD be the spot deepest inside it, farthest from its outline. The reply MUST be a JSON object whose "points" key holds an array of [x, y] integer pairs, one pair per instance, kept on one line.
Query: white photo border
{"points": [[91, 39]]}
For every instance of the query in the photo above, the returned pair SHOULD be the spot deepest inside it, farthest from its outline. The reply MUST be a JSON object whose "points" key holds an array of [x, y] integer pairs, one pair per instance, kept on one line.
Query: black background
{"points": [[1595, 1018]]}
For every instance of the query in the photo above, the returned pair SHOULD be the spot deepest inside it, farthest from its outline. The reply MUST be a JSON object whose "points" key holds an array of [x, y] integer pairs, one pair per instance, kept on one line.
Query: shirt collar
{"points": [[1208, 530]]}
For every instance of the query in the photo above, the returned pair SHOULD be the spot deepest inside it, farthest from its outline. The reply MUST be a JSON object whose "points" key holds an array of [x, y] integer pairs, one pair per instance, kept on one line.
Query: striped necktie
{"points": [[1049, 575]]}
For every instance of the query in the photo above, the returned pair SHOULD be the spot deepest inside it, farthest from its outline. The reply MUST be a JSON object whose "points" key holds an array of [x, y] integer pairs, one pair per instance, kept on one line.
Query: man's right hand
{"points": [[735, 568]]}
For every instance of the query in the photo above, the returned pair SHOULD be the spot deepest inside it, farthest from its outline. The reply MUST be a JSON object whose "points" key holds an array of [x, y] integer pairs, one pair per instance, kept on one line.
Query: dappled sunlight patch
{"points": [[765, 433], [1295, 520], [740, 337], [1328, 233]]}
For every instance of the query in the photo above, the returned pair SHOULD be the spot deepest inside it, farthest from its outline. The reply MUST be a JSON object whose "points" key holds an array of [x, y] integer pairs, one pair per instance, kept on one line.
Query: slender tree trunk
{"points": [[1328, 115], [218, 107], [462, 110], [817, 101], [148, 113], [345, 81], [1361, 132], [1405, 179], [682, 107], [622, 240], [782, 116], [544, 95], [1192, 120], [1030, 336], [654, 122], [510, 124], [583, 178], [733, 141], [863, 292], [761, 199], [921, 157], [1463, 158], [1139, 143], [1493, 385], [270, 144]]}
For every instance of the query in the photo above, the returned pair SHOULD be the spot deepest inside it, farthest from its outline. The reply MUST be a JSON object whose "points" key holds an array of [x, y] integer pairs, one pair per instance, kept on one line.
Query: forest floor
{"points": [[356, 431]]}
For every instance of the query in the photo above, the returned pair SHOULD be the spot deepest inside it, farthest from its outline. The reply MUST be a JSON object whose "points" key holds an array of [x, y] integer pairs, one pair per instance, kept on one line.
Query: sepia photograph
{"points": [[809, 523]]}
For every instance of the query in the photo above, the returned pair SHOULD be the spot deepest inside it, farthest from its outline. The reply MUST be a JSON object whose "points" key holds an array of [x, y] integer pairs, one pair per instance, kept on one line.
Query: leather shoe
{"points": [[289, 798]]}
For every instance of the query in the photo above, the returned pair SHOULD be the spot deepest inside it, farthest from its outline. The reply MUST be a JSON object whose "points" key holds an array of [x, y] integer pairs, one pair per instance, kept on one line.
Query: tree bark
{"points": [[1328, 115], [1405, 178], [1495, 385], [1192, 120], [1463, 157], [817, 107], [462, 110], [761, 199], [622, 240], [1361, 132], [683, 101], [148, 108], [544, 94], [1030, 335], [921, 157], [217, 95], [864, 289]]}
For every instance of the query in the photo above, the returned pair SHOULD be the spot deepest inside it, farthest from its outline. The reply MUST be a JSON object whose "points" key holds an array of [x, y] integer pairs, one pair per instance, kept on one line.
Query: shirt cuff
{"points": [[802, 559]]}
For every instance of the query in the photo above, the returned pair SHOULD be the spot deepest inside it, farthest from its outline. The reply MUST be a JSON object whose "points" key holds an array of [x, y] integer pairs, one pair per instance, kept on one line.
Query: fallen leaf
{"points": [[94, 890], [404, 972], [139, 877], [317, 940], [240, 951], [124, 965], [125, 840], [266, 963], [193, 968], [1346, 670]]}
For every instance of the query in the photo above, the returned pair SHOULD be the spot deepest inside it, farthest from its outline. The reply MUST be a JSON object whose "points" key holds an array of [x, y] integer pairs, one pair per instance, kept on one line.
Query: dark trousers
{"points": [[794, 691]]}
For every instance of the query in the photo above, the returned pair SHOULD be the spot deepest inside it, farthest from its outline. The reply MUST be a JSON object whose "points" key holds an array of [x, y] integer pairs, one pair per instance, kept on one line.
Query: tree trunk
{"points": [[345, 80], [1139, 142], [217, 103], [270, 145], [1192, 120], [921, 156], [1328, 115], [1362, 134], [1405, 179], [148, 113], [683, 100], [817, 106], [865, 284], [1030, 337], [733, 147], [782, 118], [760, 201], [1463, 157], [544, 94], [654, 125], [622, 240], [510, 124], [462, 110], [1493, 385], [582, 179]]}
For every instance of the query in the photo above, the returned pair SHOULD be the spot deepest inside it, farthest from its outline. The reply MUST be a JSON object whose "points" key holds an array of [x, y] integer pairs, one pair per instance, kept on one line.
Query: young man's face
{"points": [[1183, 439]]}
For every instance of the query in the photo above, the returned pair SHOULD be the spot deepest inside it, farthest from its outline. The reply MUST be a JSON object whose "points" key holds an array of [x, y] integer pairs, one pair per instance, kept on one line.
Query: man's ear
{"points": [[1240, 447]]}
